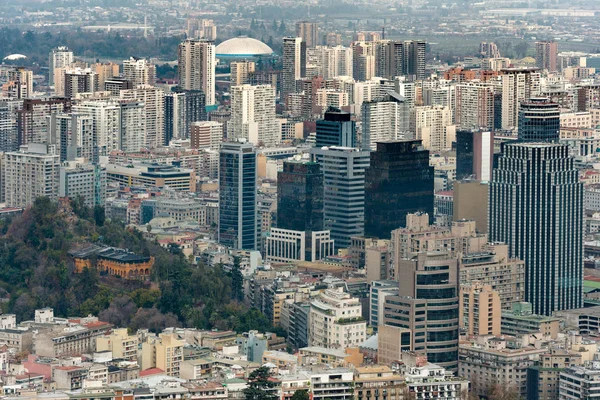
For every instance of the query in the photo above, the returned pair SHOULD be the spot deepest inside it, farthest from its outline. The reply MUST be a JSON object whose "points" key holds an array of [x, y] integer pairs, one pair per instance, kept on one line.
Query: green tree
{"points": [[259, 385], [301, 395], [237, 280]]}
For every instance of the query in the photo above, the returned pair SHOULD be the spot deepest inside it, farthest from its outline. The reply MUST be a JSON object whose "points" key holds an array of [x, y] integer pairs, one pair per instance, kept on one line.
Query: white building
{"points": [[285, 245], [335, 321], [433, 125], [292, 64], [154, 106], [139, 71], [30, 173], [517, 85], [206, 134], [475, 106], [332, 384], [332, 97], [253, 114], [385, 119], [196, 61], [330, 62], [61, 57], [80, 179]]}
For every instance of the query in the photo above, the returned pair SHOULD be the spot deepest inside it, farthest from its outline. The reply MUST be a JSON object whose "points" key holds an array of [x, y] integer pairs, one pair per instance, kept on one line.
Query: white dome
{"points": [[15, 57], [242, 47]]}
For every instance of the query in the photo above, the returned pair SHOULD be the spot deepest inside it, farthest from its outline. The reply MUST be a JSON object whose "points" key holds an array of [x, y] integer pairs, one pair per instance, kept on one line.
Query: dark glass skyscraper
{"points": [[237, 195], [539, 121], [536, 207], [300, 196], [399, 181], [336, 129], [464, 154]]}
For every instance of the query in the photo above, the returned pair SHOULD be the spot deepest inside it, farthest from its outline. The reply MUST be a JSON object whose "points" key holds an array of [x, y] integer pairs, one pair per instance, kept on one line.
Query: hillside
{"points": [[36, 271]]}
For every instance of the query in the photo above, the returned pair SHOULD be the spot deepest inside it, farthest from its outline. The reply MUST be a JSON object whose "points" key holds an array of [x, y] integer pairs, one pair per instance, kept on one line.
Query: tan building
{"points": [[164, 352], [120, 343], [521, 321], [471, 203], [545, 376], [241, 71], [392, 341], [480, 309], [206, 134], [492, 266], [333, 357], [370, 382]]}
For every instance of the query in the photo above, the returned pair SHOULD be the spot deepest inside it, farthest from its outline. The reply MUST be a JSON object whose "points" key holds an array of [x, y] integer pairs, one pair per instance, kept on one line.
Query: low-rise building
{"points": [[522, 321]]}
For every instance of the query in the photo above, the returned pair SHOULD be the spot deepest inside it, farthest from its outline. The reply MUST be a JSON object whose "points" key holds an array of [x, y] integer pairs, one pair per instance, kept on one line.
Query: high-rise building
{"points": [[32, 118], [308, 32], [294, 62], [174, 117], [383, 119], [414, 58], [79, 80], [139, 71], [474, 155], [518, 84], [253, 115], [428, 305], [536, 207], [206, 134], [20, 83], [344, 191], [115, 84], [480, 310], [336, 129], [546, 55], [85, 180], [132, 126], [433, 126], [330, 62], [61, 57], [9, 127], [539, 120], [474, 106], [363, 60], [106, 71], [73, 135], [237, 195], [196, 61], [241, 71], [489, 50], [398, 182], [153, 99], [30, 173]]}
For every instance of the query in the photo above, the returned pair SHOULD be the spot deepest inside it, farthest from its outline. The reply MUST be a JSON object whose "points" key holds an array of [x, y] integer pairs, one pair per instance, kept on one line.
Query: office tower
{"points": [[480, 310], [336, 129], [115, 84], [253, 115], [30, 173], [73, 135], [31, 119], [154, 103], [428, 305], [237, 195], [474, 155], [61, 57], [299, 234], [474, 106], [344, 191], [546, 55], [433, 126], [139, 71], [518, 84], [308, 32], [20, 83], [241, 71], [294, 62], [539, 121], [471, 203], [300, 196], [378, 292], [536, 207], [330, 62], [9, 127], [398, 182], [85, 180], [334, 311], [196, 61], [387, 118], [77, 80], [489, 50], [106, 72], [206, 134]]}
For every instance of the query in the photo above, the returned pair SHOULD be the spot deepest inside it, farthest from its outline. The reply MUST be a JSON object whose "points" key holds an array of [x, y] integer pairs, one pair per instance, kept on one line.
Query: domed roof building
{"points": [[242, 47]]}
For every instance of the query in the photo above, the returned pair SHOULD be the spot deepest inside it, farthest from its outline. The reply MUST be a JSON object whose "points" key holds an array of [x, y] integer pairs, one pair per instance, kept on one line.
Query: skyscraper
{"points": [[9, 139], [474, 105], [241, 71], [344, 191], [474, 155], [539, 120], [294, 61], [31, 118], [237, 195], [384, 119], [74, 136], [196, 61], [414, 58], [546, 55], [433, 126], [300, 196], [518, 84], [399, 181], [308, 32], [153, 99], [336, 129], [139, 71], [253, 115], [536, 207], [61, 57]]}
